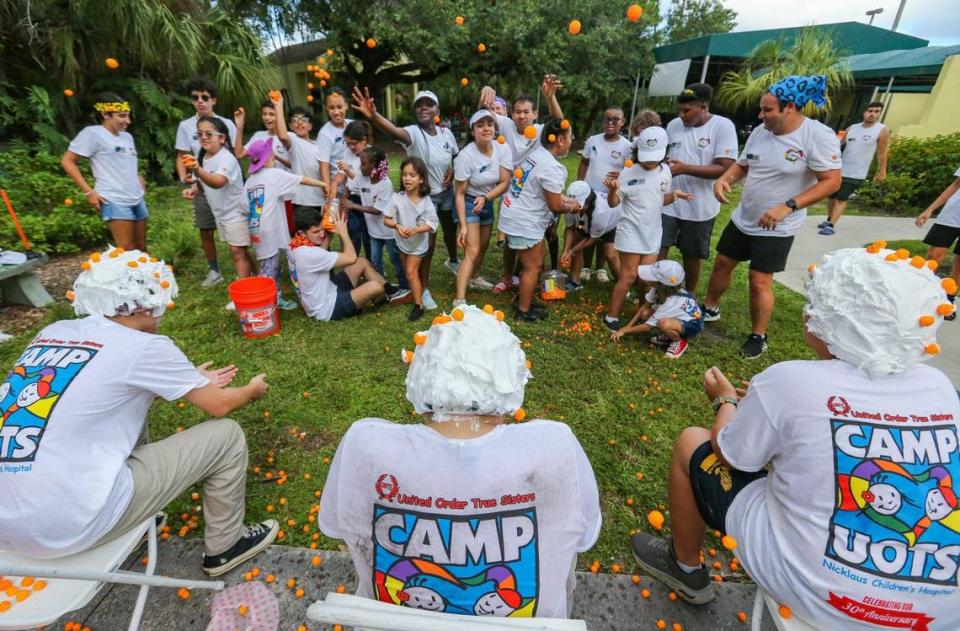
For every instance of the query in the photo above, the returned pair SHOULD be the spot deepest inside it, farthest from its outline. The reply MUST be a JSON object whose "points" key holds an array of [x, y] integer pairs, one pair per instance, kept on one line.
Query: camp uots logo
{"points": [[793, 154], [703, 143], [387, 487]]}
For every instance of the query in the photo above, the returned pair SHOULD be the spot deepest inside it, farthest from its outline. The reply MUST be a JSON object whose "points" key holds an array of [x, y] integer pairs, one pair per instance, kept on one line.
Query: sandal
{"points": [[500, 287]]}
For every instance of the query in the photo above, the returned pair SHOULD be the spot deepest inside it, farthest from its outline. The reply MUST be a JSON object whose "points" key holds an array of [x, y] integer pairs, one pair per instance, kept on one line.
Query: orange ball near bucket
{"points": [[255, 299]]}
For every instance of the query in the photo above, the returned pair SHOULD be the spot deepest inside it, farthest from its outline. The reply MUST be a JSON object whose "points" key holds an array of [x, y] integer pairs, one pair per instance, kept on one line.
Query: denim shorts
{"points": [[344, 307], [443, 200], [521, 243], [484, 217], [110, 211], [691, 328]]}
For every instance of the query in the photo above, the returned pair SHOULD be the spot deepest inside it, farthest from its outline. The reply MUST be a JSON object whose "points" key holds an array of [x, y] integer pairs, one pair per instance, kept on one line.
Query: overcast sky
{"points": [[935, 20]]}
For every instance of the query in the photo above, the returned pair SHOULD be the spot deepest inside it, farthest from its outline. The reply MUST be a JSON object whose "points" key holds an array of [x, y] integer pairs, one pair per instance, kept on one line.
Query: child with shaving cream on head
{"points": [[412, 501]]}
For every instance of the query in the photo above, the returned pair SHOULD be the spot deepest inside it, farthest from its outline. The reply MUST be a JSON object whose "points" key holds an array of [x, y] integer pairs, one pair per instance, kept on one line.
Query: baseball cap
{"points": [[579, 191], [696, 93], [651, 144], [479, 115], [426, 94], [259, 152], [666, 272]]}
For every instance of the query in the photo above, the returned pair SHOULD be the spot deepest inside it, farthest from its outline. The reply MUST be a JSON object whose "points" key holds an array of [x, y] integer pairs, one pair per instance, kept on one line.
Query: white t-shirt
{"points": [[228, 203], [266, 190], [353, 162], [699, 146], [523, 211], [74, 407], [857, 519], [480, 172], [860, 145], [604, 157], [488, 526], [641, 198], [189, 141], [278, 148], [304, 162], [681, 306], [520, 146], [780, 168], [310, 268], [604, 218], [436, 151], [377, 196], [950, 214], [330, 145], [113, 160], [408, 215]]}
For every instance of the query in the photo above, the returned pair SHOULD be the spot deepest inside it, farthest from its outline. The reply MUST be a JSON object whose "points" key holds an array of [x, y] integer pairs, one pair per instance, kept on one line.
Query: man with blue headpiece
{"points": [[788, 164]]}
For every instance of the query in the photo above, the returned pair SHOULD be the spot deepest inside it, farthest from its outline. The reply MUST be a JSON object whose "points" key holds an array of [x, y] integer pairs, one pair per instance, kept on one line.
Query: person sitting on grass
{"points": [[73, 474], [464, 513], [326, 296], [668, 308], [856, 519]]}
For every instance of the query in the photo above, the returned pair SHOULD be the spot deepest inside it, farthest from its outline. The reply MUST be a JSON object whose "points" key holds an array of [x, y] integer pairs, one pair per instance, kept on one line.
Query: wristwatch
{"points": [[791, 204], [716, 403]]}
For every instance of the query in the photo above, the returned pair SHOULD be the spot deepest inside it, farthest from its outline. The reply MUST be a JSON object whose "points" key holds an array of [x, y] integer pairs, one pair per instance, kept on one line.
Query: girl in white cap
{"points": [[644, 189]]}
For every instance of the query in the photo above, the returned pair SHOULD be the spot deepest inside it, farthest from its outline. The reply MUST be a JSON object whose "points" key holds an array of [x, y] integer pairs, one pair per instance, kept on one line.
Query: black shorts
{"points": [[766, 254], [609, 236], [344, 307], [941, 236], [847, 188], [692, 238], [715, 485]]}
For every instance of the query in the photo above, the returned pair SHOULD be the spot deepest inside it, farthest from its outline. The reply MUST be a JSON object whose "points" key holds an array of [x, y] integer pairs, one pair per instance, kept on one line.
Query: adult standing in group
{"points": [[602, 154], [437, 147], [860, 142], [482, 173], [119, 188], [788, 164], [702, 147], [203, 93], [331, 148]]}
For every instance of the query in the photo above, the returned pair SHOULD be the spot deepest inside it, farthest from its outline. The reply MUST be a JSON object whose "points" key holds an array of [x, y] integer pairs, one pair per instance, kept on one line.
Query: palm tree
{"points": [[812, 52]]}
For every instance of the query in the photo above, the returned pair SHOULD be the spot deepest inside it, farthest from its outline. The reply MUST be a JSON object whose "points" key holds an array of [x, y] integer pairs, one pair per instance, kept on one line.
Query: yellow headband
{"points": [[112, 107]]}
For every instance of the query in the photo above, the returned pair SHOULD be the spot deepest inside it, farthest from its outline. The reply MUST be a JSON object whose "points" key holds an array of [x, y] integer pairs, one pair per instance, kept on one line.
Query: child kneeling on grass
{"points": [[669, 309], [326, 296]]}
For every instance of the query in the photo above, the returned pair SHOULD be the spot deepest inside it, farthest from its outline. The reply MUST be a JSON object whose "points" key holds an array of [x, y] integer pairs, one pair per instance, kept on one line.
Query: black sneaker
{"points": [[415, 314], [613, 326], [533, 314], [656, 557], [253, 539], [754, 347], [534, 303], [710, 315], [952, 316]]}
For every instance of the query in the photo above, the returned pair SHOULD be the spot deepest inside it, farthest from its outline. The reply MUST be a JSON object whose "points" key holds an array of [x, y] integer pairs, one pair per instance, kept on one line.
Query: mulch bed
{"points": [[57, 276]]}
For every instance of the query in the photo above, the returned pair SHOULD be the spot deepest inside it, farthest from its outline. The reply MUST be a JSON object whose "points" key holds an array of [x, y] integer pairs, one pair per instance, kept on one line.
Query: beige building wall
{"points": [[939, 114], [905, 109]]}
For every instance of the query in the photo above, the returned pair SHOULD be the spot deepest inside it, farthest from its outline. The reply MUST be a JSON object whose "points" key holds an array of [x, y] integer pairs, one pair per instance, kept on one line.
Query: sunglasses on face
{"points": [[299, 119], [208, 134], [200, 97]]}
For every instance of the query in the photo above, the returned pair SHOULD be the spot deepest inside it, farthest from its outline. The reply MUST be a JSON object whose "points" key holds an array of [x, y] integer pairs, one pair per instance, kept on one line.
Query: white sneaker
{"points": [[602, 276], [458, 302], [230, 306], [480, 283], [585, 274], [212, 279], [428, 301], [453, 267]]}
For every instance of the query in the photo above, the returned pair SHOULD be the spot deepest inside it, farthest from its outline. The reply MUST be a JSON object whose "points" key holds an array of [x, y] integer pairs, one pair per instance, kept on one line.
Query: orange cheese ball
{"points": [[661, 624], [574, 27], [243, 610], [501, 139], [371, 43], [635, 579], [656, 519], [784, 612], [67, 92], [111, 63], [927, 320], [931, 349], [728, 542], [529, 133], [918, 261], [464, 82], [519, 415], [627, 163], [634, 12], [499, 315], [949, 285], [457, 314], [481, 47], [564, 124], [741, 616], [902, 254], [458, 20]]}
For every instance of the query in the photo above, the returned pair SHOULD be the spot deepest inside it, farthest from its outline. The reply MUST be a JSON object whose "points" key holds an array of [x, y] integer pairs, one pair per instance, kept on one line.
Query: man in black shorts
{"points": [[788, 164], [945, 231]]}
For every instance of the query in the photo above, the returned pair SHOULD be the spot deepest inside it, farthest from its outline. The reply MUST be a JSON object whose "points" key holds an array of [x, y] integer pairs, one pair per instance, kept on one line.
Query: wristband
{"points": [[721, 400]]}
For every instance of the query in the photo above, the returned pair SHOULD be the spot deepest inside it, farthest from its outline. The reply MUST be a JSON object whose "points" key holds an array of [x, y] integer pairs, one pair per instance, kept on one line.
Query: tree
{"points": [[695, 18], [812, 52]]}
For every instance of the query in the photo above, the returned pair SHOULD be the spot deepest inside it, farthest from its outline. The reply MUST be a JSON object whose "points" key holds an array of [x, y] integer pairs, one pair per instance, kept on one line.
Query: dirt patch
{"points": [[57, 275]]}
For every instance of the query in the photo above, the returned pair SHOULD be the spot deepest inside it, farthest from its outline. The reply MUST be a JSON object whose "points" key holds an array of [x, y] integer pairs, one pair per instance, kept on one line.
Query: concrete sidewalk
{"points": [[853, 232], [607, 602]]}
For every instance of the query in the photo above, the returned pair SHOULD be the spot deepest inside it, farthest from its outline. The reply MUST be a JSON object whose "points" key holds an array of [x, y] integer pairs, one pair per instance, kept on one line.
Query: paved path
{"points": [[855, 231], [607, 602]]}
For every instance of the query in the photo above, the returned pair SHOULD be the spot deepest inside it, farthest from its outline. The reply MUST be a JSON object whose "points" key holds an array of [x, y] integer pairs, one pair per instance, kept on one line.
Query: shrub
{"points": [[919, 169]]}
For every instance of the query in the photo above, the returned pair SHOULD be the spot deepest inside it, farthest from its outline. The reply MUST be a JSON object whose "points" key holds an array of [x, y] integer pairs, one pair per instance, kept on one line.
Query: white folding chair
{"points": [[373, 615], [76, 579], [792, 624]]}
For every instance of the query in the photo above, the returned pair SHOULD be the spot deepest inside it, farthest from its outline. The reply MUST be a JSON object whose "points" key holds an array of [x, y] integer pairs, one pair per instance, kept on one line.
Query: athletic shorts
{"points": [[715, 485], [692, 238], [766, 254], [941, 236], [111, 212], [344, 307], [235, 233], [203, 217], [609, 236], [848, 187]]}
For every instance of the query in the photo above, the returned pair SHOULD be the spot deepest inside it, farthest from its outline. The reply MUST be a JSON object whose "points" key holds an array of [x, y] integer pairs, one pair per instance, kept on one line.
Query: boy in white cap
{"points": [[596, 222], [832, 477], [71, 472], [463, 513], [668, 308]]}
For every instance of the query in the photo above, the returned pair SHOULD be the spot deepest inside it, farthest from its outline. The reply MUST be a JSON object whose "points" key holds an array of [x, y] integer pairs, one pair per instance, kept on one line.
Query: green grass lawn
{"points": [[625, 403]]}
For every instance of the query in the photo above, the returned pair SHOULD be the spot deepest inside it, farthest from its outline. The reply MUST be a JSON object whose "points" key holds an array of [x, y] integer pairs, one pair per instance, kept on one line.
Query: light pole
{"points": [[874, 13]]}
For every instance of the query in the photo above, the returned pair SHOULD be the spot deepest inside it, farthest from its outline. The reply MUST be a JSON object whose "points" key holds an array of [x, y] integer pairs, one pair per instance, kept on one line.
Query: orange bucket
{"points": [[256, 301]]}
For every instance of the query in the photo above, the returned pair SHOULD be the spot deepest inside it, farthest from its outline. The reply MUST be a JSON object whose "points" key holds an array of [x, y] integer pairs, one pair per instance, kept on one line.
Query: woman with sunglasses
{"points": [[203, 94]]}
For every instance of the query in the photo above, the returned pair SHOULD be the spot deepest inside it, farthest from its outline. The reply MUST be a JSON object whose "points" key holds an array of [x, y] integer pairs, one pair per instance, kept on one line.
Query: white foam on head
{"points": [[123, 282], [867, 309], [472, 367]]}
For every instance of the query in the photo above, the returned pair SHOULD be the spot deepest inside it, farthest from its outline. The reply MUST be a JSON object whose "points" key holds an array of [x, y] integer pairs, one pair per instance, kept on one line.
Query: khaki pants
{"points": [[213, 453]]}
